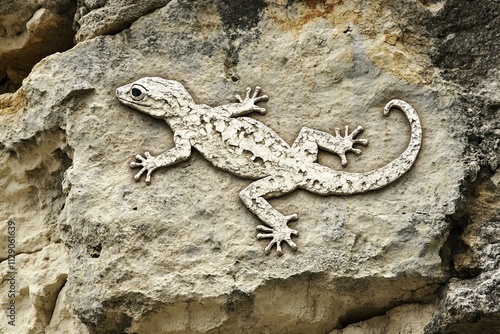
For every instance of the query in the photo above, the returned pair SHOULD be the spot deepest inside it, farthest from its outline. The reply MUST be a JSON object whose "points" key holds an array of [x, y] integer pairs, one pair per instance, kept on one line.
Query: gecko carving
{"points": [[249, 149]]}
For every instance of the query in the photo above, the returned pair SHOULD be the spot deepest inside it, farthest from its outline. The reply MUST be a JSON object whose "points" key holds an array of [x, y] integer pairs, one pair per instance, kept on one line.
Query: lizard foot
{"points": [[147, 163], [249, 102], [347, 142], [278, 235]]}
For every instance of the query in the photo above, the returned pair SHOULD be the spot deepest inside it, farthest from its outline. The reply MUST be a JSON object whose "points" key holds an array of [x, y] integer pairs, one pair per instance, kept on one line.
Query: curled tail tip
{"points": [[406, 108], [392, 103]]}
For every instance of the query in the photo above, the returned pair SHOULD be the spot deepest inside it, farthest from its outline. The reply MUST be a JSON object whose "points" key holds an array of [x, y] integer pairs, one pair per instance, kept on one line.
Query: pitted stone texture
{"points": [[470, 300], [28, 31], [180, 255], [471, 305], [410, 319], [466, 50], [31, 172], [107, 17], [30, 189], [63, 319], [215, 269], [39, 278]]}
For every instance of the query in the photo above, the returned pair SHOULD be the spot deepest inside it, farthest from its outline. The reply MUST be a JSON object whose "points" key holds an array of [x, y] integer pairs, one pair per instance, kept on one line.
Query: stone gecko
{"points": [[249, 149]]}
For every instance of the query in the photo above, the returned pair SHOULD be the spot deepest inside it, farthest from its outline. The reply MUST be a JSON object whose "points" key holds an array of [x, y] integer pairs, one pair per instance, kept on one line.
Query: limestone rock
{"points": [[30, 31], [402, 319], [31, 194], [107, 17], [466, 47], [63, 319], [11, 102], [39, 278], [181, 255], [471, 305], [350, 249]]}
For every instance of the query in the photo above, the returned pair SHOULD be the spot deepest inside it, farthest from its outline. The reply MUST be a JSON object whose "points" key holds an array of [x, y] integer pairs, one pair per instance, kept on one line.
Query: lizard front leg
{"points": [[149, 163], [245, 106], [254, 196]]}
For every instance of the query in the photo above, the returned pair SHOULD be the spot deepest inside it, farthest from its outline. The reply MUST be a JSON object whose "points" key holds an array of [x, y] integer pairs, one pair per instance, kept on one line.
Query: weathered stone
{"points": [[467, 54], [402, 319], [28, 31], [11, 102], [31, 196], [39, 277], [63, 319], [466, 49], [470, 303], [180, 255], [107, 17], [192, 212]]}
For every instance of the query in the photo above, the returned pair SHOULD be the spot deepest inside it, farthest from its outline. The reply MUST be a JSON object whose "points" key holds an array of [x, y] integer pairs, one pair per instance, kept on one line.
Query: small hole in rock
{"points": [[94, 251]]}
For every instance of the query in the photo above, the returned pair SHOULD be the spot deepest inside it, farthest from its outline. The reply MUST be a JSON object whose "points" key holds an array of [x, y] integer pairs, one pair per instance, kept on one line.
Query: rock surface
{"points": [[29, 31], [100, 253], [107, 17], [409, 318]]}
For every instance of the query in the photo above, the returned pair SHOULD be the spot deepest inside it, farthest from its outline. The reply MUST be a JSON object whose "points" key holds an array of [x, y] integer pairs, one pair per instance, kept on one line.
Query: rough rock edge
{"points": [[462, 31], [11, 103], [115, 23], [40, 21]]}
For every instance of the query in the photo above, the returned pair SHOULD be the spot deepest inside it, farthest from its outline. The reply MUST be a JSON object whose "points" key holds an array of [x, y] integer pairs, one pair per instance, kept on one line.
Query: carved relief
{"points": [[249, 149]]}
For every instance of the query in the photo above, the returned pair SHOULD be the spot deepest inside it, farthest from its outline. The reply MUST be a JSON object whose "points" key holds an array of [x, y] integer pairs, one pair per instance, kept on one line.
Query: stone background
{"points": [[100, 253]]}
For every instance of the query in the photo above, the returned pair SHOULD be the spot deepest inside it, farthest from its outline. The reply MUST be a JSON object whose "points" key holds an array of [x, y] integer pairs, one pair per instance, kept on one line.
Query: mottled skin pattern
{"points": [[249, 149]]}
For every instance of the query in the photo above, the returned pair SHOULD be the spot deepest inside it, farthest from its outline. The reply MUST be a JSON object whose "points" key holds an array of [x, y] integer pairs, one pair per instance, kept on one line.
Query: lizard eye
{"points": [[137, 92]]}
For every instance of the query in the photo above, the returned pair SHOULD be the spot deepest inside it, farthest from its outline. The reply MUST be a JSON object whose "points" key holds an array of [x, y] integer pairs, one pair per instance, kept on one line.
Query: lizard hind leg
{"points": [[309, 141], [254, 197]]}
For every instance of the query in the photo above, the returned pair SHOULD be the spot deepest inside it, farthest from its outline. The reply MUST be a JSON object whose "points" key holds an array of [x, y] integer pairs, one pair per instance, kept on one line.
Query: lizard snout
{"points": [[120, 91]]}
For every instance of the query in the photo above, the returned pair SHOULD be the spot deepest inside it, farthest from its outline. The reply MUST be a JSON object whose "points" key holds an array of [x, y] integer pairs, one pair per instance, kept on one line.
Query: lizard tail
{"points": [[345, 183]]}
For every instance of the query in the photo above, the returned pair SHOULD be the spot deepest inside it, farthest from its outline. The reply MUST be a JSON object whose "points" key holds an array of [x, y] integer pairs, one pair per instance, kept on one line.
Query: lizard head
{"points": [[156, 97]]}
